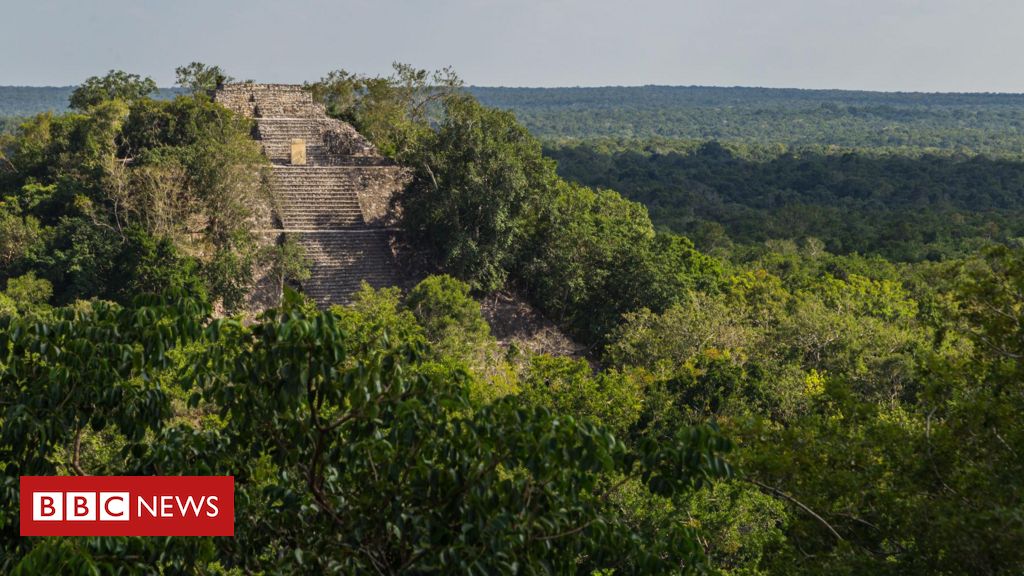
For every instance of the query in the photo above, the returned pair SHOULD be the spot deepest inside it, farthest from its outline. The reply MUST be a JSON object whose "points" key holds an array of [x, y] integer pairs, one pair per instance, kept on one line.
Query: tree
{"points": [[448, 314], [594, 256], [288, 263], [27, 292], [198, 77], [476, 177], [567, 386], [394, 111], [116, 84], [18, 237]]}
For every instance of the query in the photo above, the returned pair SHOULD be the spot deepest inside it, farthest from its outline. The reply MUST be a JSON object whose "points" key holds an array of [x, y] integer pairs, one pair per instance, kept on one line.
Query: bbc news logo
{"points": [[127, 506]]}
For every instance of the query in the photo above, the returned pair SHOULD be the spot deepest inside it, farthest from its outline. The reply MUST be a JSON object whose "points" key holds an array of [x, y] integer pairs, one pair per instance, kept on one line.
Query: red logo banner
{"points": [[127, 506]]}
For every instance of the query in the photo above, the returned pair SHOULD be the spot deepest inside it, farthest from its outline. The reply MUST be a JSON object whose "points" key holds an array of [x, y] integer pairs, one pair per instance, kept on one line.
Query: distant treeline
{"points": [[24, 101], [18, 103], [929, 206], [990, 123]]}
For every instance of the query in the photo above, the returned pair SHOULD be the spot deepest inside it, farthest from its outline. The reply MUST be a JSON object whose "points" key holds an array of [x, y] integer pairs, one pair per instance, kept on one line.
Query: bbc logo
{"points": [[127, 505], [80, 506]]}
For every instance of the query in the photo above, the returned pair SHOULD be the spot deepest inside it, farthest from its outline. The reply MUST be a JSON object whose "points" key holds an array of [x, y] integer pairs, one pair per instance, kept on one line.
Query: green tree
{"points": [[84, 186], [595, 256], [288, 263], [394, 111], [18, 237], [28, 292], [567, 386], [198, 77], [116, 84], [476, 178], [448, 314]]}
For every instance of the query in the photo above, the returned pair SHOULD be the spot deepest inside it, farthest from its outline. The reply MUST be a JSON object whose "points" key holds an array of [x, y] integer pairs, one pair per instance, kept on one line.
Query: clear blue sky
{"points": [[928, 45]]}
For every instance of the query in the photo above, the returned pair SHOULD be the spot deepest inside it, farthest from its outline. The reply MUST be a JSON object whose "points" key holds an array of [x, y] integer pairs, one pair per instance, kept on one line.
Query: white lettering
{"points": [[144, 504], [190, 503], [212, 503], [47, 506], [167, 506], [80, 506], [114, 506]]}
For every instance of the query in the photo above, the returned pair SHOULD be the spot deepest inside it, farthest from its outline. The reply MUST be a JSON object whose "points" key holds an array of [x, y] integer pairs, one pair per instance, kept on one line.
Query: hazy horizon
{"points": [[510, 87], [931, 46]]}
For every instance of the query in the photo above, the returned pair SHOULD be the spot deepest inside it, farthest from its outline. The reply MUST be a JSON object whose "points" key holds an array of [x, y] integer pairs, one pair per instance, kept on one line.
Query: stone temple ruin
{"points": [[334, 189]]}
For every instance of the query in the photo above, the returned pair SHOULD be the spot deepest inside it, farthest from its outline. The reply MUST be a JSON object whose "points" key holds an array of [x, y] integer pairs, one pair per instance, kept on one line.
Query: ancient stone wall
{"points": [[269, 100], [328, 141], [377, 188]]}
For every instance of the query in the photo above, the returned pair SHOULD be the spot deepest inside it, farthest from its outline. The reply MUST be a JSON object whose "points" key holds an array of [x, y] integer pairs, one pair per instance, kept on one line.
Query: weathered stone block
{"points": [[298, 152]]}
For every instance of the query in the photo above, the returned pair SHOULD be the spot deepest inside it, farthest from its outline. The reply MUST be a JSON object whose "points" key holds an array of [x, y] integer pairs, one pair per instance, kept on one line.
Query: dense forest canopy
{"points": [[992, 123], [771, 400], [903, 206]]}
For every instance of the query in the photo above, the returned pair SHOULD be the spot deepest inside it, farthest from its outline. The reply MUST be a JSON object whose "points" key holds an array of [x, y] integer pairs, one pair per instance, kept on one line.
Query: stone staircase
{"points": [[277, 134], [316, 197], [342, 259], [333, 204]]}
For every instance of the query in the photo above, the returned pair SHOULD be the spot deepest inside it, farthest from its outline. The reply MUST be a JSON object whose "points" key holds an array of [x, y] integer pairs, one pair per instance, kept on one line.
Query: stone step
{"points": [[307, 205], [311, 134], [317, 201], [314, 194], [319, 222], [284, 156], [322, 209], [323, 187], [329, 169], [298, 197], [313, 183], [332, 186], [317, 192], [342, 260], [299, 200], [317, 219]]}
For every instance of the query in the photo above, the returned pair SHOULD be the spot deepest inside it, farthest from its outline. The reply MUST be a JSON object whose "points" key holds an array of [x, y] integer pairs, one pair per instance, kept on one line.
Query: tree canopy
{"points": [[115, 85]]}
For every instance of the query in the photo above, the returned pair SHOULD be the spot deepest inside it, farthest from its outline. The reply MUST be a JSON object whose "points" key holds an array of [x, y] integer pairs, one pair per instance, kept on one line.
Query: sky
{"points": [[891, 45]]}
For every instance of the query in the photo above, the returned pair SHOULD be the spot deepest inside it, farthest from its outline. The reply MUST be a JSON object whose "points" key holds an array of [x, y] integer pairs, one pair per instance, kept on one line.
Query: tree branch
{"points": [[803, 506]]}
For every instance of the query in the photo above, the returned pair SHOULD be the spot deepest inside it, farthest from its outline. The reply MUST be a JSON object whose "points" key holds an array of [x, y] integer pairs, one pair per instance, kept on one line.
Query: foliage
{"points": [[288, 263], [349, 454], [874, 404], [595, 256], [394, 111], [27, 292], [476, 177], [612, 399], [115, 85], [905, 207], [198, 77], [982, 123], [18, 236], [450, 318], [114, 199], [440, 311]]}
